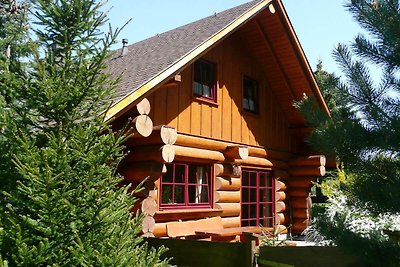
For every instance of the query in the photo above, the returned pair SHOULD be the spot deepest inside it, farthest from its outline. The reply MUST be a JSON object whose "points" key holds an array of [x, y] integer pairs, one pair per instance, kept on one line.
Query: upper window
{"points": [[186, 185], [250, 95], [204, 84]]}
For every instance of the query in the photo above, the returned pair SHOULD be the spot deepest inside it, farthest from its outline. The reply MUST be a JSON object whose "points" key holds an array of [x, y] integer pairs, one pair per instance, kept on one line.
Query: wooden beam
{"points": [[236, 152], [138, 171], [227, 184], [302, 182], [141, 125], [227, 196], [307, 171], [161, 134], [279, 185], [197, 154], [314, 160], [163, 154], [173, 81], [228, 209], [141, 108], [227, 170], [273, 54]]}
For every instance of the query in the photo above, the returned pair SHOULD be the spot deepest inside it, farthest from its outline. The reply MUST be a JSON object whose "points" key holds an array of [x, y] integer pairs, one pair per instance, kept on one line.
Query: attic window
{"points": [[250, 95], [204, 83]]}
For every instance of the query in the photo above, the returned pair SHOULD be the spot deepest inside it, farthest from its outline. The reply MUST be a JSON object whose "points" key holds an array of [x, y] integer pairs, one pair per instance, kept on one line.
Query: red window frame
{"points": [[250, 95], [205, 80], [258, 198], [181, 185]]}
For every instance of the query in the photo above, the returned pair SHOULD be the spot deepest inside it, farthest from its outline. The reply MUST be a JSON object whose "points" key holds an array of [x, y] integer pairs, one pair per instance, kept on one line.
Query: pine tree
{"points": [[61, 206], [364, 133]]}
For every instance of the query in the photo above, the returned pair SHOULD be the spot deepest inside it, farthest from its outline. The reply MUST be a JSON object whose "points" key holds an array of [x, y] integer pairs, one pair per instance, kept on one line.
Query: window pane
{"points": [[250, 95], [204, 79], [166, 194], [168, 176], [179, 197], [179, 173]]}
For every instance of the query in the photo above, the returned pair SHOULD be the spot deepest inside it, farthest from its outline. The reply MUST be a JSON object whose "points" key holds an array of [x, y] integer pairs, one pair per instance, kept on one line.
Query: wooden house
{"points": [[213, 123]]}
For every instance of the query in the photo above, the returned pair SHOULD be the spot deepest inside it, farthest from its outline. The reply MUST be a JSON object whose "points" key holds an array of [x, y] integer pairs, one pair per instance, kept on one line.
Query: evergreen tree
{"points": [[60, 205], [364, 133]]}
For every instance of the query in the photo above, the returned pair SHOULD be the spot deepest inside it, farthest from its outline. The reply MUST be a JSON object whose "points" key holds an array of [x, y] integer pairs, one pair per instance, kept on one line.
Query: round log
{"points": [[280, 218], [314, 160], [258, 152], [141, 125], [163, 154], [227, 196], [307, 171], [303, 182], [280, 206], [253, 161], [230, 222], [236, 152], [227, 170], [228, 209], [279, 164], [149, 206], [138, 171], [161, 134], [141, 108], [160, 230], [190, 153], [279, 185], [148, 224], [199, 142], [227, 184], [298, 191], [280, 196]]}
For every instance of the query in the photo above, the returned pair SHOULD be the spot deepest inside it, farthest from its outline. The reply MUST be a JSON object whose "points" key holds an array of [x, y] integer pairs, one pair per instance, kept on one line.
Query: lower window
{"points": [[186, 185], [257, 198]]}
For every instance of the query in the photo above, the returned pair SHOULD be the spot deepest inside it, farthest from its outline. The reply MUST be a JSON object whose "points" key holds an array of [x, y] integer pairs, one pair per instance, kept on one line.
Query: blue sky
{"points": [[319, 24]]}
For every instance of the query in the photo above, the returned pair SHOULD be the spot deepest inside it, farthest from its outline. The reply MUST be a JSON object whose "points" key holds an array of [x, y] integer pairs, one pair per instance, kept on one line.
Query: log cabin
{"points": [[213, 132]]}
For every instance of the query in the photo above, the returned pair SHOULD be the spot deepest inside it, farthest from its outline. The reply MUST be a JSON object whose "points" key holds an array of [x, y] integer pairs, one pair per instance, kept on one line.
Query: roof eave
{"points": [[302, 58]]}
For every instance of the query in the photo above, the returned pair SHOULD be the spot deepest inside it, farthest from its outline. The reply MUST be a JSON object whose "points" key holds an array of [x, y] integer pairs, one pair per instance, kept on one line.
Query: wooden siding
{"points": [[225, 120]]}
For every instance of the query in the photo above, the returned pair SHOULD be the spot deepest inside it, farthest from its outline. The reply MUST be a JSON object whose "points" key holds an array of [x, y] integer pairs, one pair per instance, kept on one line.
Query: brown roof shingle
{"points": [[147, 58]]}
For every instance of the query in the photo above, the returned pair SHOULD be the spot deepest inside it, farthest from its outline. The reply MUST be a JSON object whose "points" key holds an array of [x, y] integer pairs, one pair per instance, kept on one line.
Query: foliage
{"points": [[60, 205], [363, 132]]}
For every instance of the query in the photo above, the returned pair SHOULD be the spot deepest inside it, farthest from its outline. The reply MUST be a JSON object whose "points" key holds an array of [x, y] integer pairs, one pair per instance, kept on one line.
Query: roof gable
{"points": [[154, 60]]}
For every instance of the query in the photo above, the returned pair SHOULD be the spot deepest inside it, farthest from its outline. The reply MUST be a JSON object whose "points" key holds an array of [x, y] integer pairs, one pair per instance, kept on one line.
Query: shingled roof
{"points": [[150, 57]]}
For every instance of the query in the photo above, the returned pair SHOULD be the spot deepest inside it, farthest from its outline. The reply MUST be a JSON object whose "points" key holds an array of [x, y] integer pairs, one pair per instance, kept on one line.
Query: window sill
{"points": [[186, 214], [206, 101]]}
